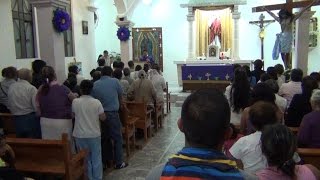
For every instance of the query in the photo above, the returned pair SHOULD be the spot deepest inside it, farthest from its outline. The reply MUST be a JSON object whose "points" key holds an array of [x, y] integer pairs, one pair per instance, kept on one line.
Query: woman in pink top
{"points": [[278, 144]]}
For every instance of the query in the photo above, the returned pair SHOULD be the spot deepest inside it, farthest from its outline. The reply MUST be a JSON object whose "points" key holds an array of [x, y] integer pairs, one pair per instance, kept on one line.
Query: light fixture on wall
{"points": [[147, 2]]}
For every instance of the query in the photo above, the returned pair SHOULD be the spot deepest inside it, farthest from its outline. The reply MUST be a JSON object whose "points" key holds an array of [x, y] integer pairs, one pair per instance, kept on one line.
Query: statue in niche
{"points": [[215, 32]]}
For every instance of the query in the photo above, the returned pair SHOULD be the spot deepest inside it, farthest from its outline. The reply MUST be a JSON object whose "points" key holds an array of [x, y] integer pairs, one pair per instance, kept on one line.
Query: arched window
{"points": [[23, 28]]}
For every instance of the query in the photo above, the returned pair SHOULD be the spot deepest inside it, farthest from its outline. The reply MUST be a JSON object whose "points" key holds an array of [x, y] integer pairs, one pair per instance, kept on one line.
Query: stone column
{"points": [[302, 42], [235, 16], [125, 46], [51, 43], [92, 8], [191, 50]]}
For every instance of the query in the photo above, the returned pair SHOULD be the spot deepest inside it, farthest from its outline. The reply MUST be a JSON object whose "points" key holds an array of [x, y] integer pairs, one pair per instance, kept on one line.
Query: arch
{"points": [[121, 6], [125, 8]]}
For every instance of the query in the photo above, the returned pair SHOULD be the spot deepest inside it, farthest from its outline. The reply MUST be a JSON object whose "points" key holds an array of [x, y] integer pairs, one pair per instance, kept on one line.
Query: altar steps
{"points": [[177, 96]]}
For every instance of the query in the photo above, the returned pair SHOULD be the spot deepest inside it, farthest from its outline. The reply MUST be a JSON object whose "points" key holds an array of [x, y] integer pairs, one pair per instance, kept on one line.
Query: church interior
{"points": [[101, 89]]}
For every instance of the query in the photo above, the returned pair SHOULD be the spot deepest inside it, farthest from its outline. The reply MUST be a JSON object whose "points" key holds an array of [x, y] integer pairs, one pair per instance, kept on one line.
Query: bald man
{"points": [[21, 96]]}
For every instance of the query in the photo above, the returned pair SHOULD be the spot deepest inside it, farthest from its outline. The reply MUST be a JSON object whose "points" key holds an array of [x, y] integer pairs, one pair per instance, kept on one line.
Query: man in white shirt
{"points": [[88, 111], [247, 149], [21, 102], [288, 90], [106, 57]]}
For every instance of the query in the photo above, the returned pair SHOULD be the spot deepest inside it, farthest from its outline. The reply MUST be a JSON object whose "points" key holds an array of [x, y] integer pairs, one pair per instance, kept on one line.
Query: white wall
{"points": [[314, 53], [7, 48], [84, 44], [106, 29], [249, 35]]}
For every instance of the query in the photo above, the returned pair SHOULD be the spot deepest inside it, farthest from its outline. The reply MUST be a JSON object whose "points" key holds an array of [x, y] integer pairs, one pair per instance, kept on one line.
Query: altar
{"points": [[217, 69], [210, 61]]}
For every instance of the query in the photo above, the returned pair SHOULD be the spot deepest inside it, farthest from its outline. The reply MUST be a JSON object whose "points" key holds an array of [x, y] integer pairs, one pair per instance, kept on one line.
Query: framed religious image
{"points": [[85, 29], [147, 45], [313, 32]]}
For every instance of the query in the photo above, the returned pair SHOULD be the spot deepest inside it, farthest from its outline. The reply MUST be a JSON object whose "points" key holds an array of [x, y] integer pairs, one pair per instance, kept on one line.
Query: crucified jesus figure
{"points": [[285, 38]]}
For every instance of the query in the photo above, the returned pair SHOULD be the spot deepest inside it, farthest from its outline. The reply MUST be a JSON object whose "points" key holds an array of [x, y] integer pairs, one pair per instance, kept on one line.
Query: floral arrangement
{"points": [[123, 33], [115, 56], [61, 20]]}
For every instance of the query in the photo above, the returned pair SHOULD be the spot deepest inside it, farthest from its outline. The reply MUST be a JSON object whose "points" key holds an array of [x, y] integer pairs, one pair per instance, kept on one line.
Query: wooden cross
{"points": [[289, 5], [208, 76], [262, 24]]}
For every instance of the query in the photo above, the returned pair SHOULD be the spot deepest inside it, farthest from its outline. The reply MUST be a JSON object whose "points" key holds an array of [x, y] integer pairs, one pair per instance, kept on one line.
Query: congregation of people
{"points": [[86, 110], [246, 133], [243, 133]]}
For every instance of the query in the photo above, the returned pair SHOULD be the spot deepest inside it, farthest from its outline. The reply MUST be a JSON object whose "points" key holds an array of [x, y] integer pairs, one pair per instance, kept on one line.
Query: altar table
{"points": [[220, 63], [216, 76]]}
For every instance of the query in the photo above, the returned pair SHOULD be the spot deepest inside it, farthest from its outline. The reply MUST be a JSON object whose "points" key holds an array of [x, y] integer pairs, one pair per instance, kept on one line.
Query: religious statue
{"points": [[284, 40], [215, 32]]}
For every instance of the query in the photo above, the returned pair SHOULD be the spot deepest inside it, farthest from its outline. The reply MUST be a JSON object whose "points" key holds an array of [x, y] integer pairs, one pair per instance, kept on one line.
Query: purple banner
{"points": [[207, 72]]}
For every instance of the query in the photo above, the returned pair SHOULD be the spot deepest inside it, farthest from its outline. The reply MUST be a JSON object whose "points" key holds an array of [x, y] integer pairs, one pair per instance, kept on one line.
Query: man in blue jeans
{"points": [[87, 112], [108, 90]]}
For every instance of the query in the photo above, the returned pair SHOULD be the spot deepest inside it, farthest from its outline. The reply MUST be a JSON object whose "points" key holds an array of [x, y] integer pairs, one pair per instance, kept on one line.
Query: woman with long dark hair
{"points": [[238, 94], [278, 144], [54, 104], [260, 92]]}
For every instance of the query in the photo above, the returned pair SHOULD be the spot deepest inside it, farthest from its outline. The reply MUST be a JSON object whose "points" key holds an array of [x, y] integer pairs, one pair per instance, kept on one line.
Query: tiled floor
{"points": [[165, 142]]}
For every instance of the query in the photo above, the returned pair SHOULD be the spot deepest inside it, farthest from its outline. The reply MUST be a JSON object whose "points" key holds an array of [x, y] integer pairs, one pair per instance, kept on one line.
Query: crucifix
{"points": [[262, 25], [286, 19]]}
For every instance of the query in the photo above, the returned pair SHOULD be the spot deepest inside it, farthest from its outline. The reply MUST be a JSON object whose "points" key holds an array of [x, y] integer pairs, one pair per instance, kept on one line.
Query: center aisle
{"points": [[166, 142]]}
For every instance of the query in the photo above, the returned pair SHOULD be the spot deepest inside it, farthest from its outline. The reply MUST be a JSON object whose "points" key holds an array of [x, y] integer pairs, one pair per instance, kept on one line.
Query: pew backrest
{"points": [[48, 157], [310, 156]]}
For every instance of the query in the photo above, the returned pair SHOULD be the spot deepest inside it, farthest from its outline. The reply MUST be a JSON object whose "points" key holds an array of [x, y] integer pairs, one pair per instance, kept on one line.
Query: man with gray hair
{"points": [[21, 98]]}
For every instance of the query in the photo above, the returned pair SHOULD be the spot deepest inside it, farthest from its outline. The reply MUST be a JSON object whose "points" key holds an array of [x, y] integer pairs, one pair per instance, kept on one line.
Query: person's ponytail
{"points": [[288, 168], [45, 87], [48, 75]]}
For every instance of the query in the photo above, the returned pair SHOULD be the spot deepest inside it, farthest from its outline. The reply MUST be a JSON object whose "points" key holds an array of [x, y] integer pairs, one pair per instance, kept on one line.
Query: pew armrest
{"points": [[76, 159]]}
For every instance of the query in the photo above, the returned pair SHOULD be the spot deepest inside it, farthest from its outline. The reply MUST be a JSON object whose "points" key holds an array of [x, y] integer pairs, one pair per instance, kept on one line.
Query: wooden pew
{"points": [[128, 128], [51, 157], [8, 124], [158, 115], [139, 110], [310, 156]]}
